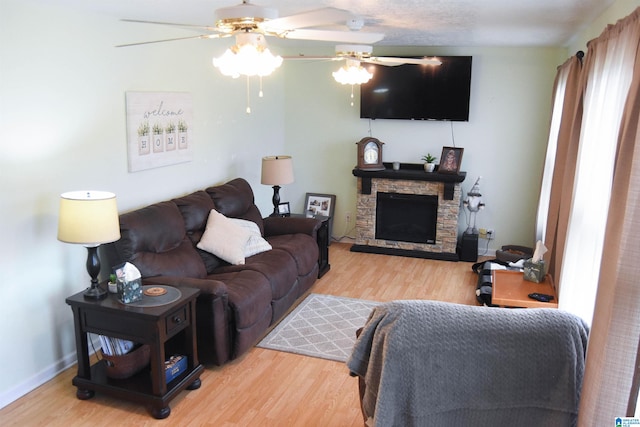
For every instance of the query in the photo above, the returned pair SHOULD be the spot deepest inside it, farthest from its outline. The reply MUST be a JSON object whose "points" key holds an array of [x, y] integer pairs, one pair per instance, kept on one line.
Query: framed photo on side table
{"points": [[321, 204], [283, 209], [450, 160]]}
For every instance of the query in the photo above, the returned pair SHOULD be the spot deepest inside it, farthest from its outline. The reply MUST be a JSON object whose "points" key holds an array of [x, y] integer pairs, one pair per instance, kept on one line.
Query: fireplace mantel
{"points": [[410, 172]]}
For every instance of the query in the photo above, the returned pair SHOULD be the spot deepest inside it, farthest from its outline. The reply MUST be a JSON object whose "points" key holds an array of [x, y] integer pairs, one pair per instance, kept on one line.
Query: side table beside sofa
{"points": [[167, 327]]}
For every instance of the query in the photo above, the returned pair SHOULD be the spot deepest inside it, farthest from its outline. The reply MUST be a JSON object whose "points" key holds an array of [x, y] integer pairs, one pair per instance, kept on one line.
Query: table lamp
{"points": [[277, 171], [89, 218]]}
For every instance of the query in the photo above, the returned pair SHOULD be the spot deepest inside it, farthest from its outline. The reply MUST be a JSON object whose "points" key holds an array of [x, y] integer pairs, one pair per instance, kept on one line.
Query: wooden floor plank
{"points": [[265, 387]]}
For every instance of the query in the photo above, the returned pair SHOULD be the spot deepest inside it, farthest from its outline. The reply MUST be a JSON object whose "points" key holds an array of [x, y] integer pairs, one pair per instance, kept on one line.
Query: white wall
{"points": [[503, 141], [62, 115], [618, 10]]}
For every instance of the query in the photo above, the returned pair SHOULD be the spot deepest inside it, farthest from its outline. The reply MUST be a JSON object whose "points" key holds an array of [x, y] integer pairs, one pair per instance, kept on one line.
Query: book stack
{"points": [[115, 346]]}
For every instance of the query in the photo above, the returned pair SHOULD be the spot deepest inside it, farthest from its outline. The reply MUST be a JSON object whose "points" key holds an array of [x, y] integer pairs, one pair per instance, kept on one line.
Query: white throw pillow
{"points": [[256, 243], [224, 238]]}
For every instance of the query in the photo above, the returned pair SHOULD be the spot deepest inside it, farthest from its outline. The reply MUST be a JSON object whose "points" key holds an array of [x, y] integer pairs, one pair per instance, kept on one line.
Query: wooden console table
{"points": [[165, 328], [511, 290]]}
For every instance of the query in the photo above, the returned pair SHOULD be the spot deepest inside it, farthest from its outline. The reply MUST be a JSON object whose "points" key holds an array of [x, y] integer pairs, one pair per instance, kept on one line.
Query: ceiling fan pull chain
{"points": [[352, 95], [248, 97], [260, 94]]}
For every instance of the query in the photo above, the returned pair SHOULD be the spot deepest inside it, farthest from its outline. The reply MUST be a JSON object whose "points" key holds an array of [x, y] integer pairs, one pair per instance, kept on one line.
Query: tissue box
{"points": [[174, 367], [129, 290], [534, 271]]}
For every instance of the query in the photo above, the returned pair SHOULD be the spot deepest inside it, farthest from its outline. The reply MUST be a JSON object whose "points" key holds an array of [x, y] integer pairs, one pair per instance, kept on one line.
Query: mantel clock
{"points": [[370, 154]]}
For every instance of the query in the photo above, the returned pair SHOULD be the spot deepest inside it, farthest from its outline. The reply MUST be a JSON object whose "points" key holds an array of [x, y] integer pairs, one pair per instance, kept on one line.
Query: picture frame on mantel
{"points": [[321, 204], [450, 160]]}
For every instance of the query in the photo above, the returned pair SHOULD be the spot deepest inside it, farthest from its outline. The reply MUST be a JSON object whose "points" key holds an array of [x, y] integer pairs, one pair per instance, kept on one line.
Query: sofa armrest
{"points": [[277, 225], [206, 286]]}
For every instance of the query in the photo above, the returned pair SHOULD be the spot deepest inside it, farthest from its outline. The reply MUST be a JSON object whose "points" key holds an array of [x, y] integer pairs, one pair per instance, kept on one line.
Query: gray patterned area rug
{"points": [[321, 326]]}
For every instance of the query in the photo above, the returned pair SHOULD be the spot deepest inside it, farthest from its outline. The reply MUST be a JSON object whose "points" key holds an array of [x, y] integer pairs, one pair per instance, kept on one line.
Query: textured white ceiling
{"points": [[404, 22]]}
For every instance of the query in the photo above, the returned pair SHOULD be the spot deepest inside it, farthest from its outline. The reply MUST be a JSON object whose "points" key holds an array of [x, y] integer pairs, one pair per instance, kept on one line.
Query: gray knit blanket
{"points": [[433, 363]]}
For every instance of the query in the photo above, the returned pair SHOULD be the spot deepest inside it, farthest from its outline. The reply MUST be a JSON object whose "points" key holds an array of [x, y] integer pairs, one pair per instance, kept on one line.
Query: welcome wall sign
{"points": [[158, 129]]}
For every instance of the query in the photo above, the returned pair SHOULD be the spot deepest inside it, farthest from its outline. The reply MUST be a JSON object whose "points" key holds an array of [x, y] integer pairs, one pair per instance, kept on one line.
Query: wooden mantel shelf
{"points": [[410, 172]]}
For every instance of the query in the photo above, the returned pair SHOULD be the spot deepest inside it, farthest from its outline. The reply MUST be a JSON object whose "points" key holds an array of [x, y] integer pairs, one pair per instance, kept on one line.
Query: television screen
{"points": [[418, 92]]}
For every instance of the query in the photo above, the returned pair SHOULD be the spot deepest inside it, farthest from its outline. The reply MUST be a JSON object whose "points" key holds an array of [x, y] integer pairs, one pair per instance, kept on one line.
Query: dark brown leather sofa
{"points": [[238, 303]]}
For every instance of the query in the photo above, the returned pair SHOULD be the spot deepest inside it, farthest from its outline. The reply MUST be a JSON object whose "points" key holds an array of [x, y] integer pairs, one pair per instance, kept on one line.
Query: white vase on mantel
{"points": [[429, 167]]}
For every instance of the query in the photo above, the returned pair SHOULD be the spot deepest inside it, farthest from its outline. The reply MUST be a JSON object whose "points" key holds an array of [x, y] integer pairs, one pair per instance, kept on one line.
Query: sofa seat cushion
{"points": [[302, 248], [277, 266], [249, 295], [250, 311]]}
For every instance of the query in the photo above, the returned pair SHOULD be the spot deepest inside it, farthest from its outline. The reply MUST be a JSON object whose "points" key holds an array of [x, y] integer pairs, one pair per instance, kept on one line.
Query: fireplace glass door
{"points": [[406, 217]]}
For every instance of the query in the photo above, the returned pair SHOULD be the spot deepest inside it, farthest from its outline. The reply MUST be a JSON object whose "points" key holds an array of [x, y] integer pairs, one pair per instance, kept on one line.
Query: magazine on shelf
{"points": [[115, 346]]}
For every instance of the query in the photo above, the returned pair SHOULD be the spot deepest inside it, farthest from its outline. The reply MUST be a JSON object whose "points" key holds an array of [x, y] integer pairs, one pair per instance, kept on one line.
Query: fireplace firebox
{"points": [[406, 217]]}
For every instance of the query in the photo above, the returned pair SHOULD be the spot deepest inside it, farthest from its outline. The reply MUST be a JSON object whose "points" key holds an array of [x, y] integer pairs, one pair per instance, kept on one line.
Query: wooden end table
{"points": [[167, 329], [511, 290]]}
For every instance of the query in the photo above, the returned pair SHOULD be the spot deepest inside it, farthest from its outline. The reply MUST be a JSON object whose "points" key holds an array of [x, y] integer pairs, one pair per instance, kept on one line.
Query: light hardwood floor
{"points": [[265, 387]]}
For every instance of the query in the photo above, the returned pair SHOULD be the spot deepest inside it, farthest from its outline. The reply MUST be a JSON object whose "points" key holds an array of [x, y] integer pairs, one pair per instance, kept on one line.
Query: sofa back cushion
{"points": [[235, 200], [154, 240], [195, 209]]}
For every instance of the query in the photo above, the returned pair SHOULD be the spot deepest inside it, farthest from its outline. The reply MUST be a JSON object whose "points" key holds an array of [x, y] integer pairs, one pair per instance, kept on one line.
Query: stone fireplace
{"points": [[424, 203]]}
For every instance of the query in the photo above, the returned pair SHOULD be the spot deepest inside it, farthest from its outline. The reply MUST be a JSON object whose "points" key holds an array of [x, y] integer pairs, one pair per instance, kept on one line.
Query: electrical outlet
{"points": [[348, 216], [490, 234]]}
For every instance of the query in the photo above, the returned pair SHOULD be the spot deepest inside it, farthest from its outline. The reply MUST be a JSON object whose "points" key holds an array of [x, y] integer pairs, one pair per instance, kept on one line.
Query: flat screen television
{"points": [[418, 92]]}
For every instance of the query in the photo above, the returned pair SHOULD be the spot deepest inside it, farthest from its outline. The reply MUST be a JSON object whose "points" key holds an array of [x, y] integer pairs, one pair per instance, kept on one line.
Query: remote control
{"points": [[541, 297]]}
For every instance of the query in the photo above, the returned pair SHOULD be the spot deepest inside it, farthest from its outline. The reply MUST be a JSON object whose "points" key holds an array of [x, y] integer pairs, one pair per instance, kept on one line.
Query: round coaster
{"points": [[154, 291]]}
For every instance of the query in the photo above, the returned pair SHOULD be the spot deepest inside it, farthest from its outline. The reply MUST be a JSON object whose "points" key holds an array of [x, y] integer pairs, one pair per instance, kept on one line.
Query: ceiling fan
{"points": [[363, 53], [251, 18], [353, 73]]}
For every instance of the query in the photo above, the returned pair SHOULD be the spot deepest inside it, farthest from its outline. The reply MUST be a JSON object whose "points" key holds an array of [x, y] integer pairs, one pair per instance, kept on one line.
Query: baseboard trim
{"points": [[37, 380], [47, 374]]}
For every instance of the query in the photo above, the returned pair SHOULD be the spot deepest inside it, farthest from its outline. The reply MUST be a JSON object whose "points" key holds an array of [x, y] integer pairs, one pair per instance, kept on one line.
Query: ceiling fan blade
{"points": [[172, 24], [388, 60], [333, 36], [312, 18], [201, 36], [310, 57]]}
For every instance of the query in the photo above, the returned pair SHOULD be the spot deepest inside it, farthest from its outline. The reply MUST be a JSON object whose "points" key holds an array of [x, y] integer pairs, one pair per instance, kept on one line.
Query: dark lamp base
{"points": [[95, 293]]}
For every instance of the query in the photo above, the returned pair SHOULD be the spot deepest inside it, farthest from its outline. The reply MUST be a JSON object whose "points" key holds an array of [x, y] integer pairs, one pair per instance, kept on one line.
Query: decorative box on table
{"points": [[129, 291], [174, 367], [129, 283], [534, 271]]}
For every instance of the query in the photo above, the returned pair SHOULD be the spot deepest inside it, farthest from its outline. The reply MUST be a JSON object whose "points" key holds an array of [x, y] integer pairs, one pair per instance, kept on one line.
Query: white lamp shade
{"points": [[277, 170], [89, 218]]}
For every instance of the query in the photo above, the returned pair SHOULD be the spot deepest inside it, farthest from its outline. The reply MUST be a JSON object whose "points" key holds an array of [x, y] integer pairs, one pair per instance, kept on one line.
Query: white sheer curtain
{"points": [[608, 71], [550, 158]]}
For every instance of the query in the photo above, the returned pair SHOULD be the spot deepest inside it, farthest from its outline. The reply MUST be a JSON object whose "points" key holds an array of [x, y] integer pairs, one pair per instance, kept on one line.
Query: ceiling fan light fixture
{"points": [[352, 73], [248, 57], [245, 16]]}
